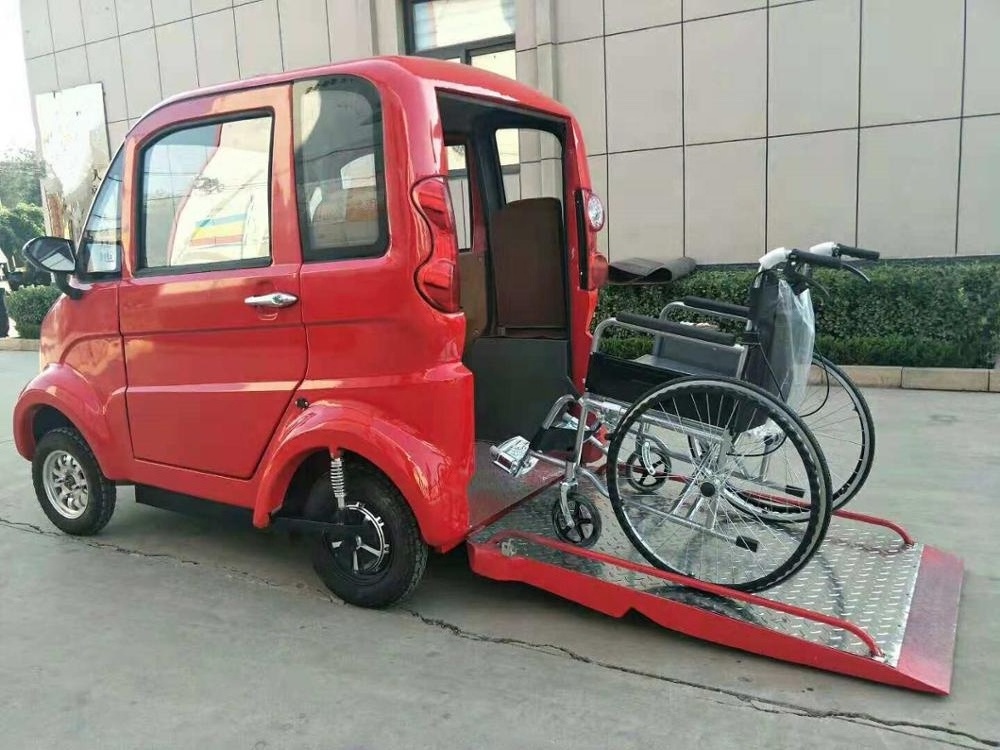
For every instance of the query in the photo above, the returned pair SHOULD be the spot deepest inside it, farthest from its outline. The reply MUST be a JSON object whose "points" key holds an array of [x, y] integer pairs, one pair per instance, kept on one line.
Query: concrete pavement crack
{"points": [[94, 544], [951, 736], [764, 705]]}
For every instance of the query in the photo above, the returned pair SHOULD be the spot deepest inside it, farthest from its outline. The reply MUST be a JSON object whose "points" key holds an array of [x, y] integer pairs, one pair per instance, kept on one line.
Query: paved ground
{"points": [[169, 632]]}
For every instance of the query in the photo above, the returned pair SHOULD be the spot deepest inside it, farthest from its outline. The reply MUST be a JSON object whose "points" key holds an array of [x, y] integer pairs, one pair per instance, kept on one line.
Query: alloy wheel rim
{"points": [[65, 484]]}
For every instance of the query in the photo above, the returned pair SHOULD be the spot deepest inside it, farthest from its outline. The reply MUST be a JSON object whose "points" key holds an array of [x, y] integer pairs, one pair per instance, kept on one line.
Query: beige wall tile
{"points": [[814, 66], [645, 204], [165, 11], [42, 74], [99, 19], [66, 22], [142, 76], [907, 189], [35, 31], [724, 201], [598, 166], [702, 8], [178, 69], [105, 62], [134, 15], [511, 187], [215, 41], [304, 38], [258, 40], [979, 209], [524, 24], [725, 77], [911, 60], [199, 7], [982, 58], [116, 134], [388, 37], [350, 29], [71, 67], [812, 187], [640, 14], [644, 89], [578, 19], [580, 76], [531, 180]]}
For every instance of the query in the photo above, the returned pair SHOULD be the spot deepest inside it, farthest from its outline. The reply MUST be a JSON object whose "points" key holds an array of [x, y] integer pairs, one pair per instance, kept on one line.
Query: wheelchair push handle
{"points": [[825, 261], [836, 250], [858, 252]]}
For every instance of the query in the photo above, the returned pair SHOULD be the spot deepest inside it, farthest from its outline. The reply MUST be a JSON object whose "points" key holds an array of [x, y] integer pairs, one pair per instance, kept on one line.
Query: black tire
{"points": [[51, 452], [848, 472], [370, 495], [796, 545]]}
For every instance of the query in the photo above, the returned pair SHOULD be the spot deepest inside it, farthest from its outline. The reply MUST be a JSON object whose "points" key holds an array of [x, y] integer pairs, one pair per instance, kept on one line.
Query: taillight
{"points": [[593, 265], [437, 275]]}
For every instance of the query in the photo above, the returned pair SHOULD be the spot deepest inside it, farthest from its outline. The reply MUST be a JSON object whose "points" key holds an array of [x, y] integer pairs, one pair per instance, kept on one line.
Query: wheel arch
{"points": [[61, 397], [433, 484]]}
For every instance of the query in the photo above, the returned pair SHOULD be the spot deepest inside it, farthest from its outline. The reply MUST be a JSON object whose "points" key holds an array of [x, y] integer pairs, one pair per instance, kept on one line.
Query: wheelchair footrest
{"points": [[513, 456], [557, 439]]}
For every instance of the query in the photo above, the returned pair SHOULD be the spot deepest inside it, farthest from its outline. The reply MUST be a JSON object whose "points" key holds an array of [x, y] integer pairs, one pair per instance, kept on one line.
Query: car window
{"points": [[340, 175], [101, 241], [206, 196]]}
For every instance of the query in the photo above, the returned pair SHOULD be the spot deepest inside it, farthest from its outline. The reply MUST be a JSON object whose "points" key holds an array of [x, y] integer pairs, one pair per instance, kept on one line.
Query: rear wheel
{"points": [[741, 464], [839, 418], [386, 561]]}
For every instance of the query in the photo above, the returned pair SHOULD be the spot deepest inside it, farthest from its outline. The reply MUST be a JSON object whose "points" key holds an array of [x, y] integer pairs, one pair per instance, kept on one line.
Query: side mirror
{"points": [[54, 255]]}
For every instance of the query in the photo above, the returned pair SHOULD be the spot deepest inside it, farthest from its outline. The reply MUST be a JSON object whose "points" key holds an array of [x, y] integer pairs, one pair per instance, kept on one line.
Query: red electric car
{"points": [[307, 298]]}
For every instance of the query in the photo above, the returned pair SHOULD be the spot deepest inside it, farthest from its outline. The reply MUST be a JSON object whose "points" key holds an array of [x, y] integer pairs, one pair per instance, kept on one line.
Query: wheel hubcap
{"points": [[65, 484], [364, 554]]}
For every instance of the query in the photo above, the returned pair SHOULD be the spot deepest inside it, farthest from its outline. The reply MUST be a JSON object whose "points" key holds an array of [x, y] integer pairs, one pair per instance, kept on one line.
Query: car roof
{"points": [[439, 74]]}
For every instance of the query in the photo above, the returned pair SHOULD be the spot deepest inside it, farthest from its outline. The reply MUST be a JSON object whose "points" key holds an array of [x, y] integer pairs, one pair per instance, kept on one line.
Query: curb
{"points": [[866, 376], [921, 378], [18, 345]]}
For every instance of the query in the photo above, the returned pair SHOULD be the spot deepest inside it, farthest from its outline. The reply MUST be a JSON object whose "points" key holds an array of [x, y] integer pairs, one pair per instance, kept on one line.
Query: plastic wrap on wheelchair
{"points": [[871, 603]]}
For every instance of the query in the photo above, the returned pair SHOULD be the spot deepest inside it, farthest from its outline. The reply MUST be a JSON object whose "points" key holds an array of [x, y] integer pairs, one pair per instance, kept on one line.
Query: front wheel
{"points": [[69, 484], [386, 561]]}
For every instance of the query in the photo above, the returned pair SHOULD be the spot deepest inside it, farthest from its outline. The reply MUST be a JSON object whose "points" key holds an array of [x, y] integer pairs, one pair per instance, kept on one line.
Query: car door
{"points": [[213, 336]]}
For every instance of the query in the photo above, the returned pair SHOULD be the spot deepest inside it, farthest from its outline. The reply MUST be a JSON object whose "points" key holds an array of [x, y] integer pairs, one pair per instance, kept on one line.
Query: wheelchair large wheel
{"points": [[720, 515], [839, 418]]}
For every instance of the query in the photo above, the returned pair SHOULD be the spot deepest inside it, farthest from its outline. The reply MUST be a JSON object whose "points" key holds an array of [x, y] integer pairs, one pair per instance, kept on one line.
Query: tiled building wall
{"points": [[719, 128], [716, 128], [143, 51]]}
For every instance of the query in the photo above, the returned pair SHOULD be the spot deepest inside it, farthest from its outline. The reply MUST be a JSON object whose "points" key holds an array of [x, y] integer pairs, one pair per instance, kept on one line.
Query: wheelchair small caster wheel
{"points": [[647, 473], [586, 528]]}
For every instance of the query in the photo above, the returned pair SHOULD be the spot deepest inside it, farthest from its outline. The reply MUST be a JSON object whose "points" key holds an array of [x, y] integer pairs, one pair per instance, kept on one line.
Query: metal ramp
{"points": [[871, 603]]}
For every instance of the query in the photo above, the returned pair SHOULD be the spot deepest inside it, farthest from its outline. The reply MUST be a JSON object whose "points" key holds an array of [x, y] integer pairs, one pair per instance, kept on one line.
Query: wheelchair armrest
{"points": [[676, 329], [713, 305]]}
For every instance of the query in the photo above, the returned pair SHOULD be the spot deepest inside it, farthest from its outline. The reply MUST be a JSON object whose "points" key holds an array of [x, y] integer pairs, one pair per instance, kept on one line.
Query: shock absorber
{"points": [[337, 482]]}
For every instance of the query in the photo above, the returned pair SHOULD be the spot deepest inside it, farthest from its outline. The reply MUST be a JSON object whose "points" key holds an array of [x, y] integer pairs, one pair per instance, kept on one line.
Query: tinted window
{"points": [[205, 195], [101, 241], [339, 169]]}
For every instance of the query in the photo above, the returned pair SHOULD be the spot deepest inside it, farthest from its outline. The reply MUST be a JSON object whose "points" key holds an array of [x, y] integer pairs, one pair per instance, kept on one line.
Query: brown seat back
{"points": [[472, 291], [526, 248]]}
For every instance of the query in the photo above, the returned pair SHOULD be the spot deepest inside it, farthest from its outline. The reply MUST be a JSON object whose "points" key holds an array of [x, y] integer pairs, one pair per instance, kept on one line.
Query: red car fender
{"points": [[433, 483], [101, 420]]}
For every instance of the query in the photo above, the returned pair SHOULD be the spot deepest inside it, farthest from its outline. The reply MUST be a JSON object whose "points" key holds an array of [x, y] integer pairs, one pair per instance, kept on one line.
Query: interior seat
{"points": [[526, 249]]}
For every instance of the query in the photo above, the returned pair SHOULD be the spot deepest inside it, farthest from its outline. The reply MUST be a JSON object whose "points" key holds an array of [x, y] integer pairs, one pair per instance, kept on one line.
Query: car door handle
{"points": [[274, 299]]}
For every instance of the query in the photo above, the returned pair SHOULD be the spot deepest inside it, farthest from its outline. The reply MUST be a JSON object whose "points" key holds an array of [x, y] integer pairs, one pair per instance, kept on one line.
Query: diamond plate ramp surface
{"points": [[868, 604]]}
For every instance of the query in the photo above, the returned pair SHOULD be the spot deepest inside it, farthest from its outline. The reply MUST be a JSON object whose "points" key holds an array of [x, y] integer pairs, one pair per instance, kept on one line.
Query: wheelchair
{"points": [[702, 447]]}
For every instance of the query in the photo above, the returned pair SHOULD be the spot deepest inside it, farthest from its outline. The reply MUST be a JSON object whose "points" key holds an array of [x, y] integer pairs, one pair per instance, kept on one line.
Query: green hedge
{"points": [[927, 314], [27, 308]]}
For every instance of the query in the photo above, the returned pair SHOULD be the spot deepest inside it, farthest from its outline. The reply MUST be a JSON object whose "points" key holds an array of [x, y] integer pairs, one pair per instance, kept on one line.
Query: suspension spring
{"points": [[337, 482]]}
